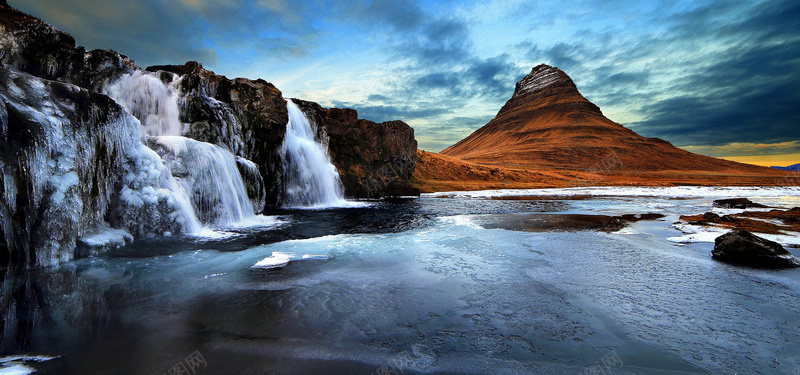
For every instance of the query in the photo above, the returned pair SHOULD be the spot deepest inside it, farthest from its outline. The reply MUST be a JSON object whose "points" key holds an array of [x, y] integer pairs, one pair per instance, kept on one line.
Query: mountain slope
{"points": [[793, 167], [547, 123]]}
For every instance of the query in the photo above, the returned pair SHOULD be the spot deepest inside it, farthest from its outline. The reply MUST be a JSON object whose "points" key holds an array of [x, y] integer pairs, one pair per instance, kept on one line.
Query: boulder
{"points": [[740, 203], [744, 248]]}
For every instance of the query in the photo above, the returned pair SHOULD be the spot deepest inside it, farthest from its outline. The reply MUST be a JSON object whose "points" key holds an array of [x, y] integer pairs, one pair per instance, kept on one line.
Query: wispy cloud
{"points": [[746, 148], [162, 32], [697, 74]]}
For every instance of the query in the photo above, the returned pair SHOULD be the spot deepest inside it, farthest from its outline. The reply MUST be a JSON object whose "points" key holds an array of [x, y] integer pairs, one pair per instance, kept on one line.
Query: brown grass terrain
{"points": [[435, 172]]}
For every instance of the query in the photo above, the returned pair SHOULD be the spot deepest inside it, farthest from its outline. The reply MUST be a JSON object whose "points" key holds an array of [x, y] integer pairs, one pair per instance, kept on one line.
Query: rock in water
{"points": [[744, 248], [740, 203]]}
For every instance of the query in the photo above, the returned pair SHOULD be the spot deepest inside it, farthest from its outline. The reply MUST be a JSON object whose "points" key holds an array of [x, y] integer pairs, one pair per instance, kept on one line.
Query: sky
{"points": [[720, 78]]}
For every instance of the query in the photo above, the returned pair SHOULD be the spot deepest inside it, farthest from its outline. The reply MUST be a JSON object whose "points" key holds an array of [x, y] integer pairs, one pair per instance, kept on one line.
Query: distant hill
{"points": [[547, 123], [793, 167]]}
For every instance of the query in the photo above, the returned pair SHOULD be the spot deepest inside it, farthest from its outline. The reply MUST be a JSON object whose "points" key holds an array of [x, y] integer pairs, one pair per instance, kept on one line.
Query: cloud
{"points": [[752, 95], [719, 73], [746, 148], [402, 15], [378, 98], [703, 75], [382, 113], [169, 32]]}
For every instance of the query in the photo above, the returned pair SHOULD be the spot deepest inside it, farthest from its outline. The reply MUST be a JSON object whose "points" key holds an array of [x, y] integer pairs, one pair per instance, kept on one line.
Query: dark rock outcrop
{"points": [[67, 160], [374, 160], [30, 45], [768, 222], [744, 248], [739, 203], [563, 222]]}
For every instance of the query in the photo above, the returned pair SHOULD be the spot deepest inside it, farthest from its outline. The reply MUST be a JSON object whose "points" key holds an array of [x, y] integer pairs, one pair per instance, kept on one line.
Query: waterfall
{"points": [[203, 177], [310, 179], [210, 174], [148, 99]]}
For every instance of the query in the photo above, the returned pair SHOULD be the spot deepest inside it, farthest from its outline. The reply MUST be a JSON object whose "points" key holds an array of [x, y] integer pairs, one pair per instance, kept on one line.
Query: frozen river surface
{"points": [[418, 286]]}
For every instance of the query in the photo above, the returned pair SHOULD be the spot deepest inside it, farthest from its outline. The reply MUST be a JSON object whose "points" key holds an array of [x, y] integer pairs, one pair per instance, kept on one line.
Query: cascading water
{"points": [[310, 179], [145, 97], [202, 176], [148, 99], [210, 174]]}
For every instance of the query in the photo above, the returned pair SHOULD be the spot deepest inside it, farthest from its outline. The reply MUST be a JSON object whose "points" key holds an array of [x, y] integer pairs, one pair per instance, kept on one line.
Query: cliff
{"points": [[374, 160], [80, 174]]}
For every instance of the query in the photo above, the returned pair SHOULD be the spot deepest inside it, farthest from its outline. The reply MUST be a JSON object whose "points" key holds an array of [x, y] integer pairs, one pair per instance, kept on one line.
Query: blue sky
{"points": [[716, 77]]}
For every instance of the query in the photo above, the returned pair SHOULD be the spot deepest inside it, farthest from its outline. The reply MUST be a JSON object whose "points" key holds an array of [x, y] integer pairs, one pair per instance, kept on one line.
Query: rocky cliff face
{"points": [[374, 160], [72, 162], [77, 169], [73, 166], [30, 45], [547, 123]]}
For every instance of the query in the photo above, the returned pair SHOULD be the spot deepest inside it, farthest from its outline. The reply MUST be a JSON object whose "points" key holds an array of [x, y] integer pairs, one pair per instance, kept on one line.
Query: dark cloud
{"points": [[377, 98], [494, 77], [439, 80], [168, 32], [746, 89], [638, 79], [566, 56], [382, 113], [402, 15], [764, 112], [472, 78], [441, 42], [750, 92]]}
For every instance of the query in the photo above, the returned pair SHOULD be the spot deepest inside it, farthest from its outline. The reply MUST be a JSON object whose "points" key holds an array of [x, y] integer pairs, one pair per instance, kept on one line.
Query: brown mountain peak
{"points": [[547, 123], [545, 86], [544, 80]]}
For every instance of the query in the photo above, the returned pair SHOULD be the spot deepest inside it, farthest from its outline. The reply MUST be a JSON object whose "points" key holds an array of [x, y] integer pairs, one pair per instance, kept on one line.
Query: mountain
{"points": [[548, 124], [793, 168]]}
